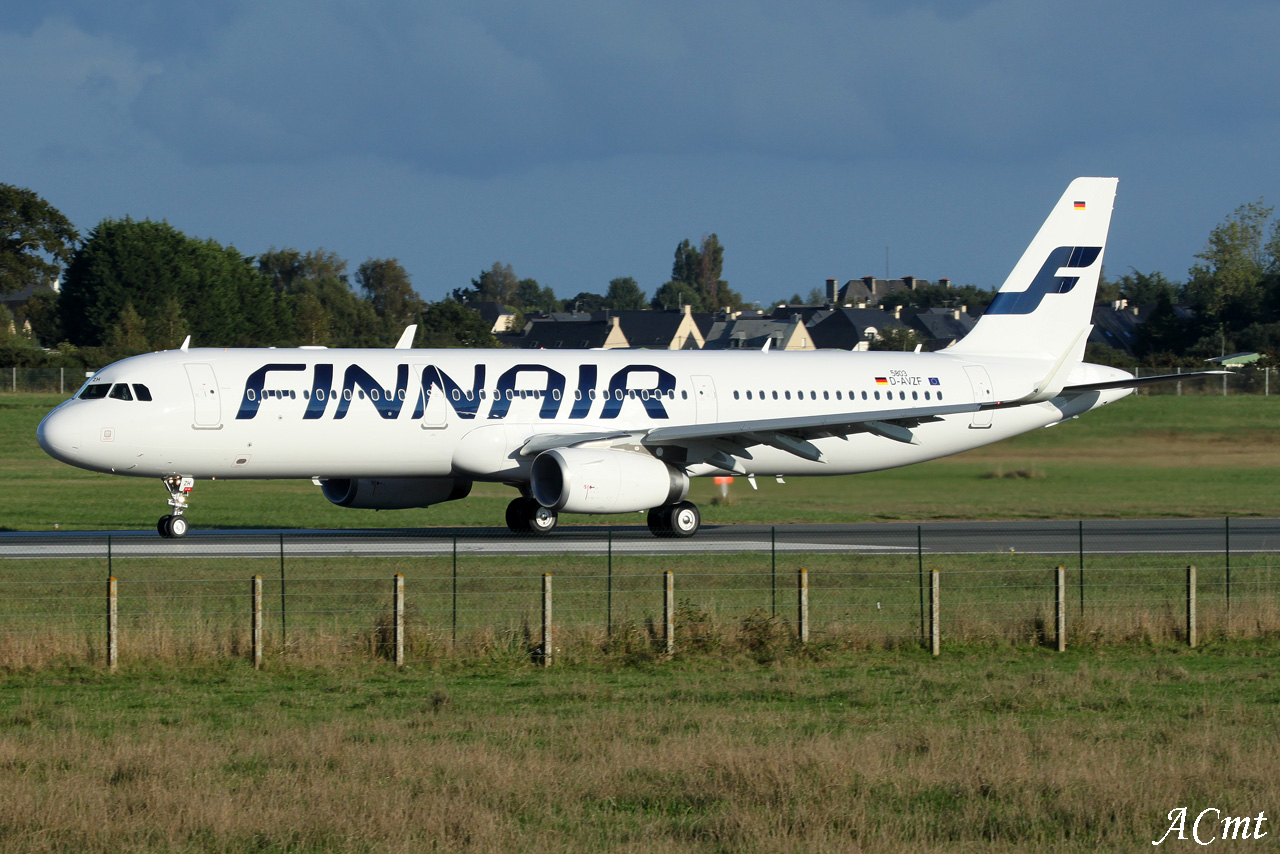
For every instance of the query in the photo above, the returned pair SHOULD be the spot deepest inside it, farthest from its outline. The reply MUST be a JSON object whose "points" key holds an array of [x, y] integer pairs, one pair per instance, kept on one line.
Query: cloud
{"points": [[488, 88]]}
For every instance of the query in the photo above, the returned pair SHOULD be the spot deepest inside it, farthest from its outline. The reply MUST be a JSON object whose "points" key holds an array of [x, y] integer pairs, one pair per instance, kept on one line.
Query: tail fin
{"points": [[1043, 309]]}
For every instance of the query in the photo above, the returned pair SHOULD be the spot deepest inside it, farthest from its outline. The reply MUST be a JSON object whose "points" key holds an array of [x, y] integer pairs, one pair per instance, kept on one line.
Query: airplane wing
{"points": [[720, 442]]}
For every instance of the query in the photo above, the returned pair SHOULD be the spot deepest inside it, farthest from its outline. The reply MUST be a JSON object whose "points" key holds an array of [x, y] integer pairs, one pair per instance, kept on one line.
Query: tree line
{"points": [[131, 286]]}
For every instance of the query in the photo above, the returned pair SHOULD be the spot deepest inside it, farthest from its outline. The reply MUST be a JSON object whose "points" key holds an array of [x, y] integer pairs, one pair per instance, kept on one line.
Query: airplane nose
{"points": [[59, 434]]}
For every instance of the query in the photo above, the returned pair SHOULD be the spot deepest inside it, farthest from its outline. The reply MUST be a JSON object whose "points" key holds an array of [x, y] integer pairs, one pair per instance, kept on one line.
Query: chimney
{"points": [[964, 309], [955, 314], [688, 310], [909, 281], [832, 291], [1120, 305], [945, 281], [897, 312]]}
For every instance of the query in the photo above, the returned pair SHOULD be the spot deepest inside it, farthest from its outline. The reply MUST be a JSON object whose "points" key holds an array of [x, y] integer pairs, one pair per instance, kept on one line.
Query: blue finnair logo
{"points": [[647, 386], [1047, 281]]}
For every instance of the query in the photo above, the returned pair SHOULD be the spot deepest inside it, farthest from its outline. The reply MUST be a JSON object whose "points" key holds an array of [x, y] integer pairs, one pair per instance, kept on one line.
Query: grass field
{"points": [[885, 751], [1146, 456], [745, 741]]}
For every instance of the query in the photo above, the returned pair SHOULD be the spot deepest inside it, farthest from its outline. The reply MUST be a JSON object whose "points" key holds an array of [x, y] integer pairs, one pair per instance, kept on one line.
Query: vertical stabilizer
{"points": [[1046, 304]]}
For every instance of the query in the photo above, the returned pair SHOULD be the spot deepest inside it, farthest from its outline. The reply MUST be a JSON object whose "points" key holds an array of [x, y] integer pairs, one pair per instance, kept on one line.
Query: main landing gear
{"points": [[526, 516], [675, 520], [172, 525]]}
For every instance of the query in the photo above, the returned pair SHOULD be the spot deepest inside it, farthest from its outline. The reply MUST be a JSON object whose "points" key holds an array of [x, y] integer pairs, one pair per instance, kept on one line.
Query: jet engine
{"points": [[393, 493], [595, 480]]}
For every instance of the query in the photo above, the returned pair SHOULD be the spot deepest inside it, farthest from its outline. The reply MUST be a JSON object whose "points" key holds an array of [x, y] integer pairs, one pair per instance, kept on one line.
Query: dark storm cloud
{"points": [[487, 88]]}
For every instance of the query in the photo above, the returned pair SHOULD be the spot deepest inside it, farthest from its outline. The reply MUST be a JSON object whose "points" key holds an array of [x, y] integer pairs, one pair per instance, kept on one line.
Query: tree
{"points": [[698, 270], [1227, 288], [531, 297], [624, 294], [895, 338], [36, 240], [497, 284], [1146, 288], [318, 305], [675, 294], [386, 285], [170, 281], [449, 323], [586, 301]]}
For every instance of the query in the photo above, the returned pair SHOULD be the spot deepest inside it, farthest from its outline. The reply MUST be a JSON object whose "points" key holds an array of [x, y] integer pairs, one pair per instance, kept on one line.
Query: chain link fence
{"points": [[477, 594]]}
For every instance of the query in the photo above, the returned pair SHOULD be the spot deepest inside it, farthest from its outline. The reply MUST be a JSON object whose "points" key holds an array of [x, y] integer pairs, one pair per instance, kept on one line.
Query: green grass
{"points": [[1146, 456], [885, 751]]}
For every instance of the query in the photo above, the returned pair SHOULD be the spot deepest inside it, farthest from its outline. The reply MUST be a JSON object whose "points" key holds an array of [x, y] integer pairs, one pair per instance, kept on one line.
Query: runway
{"points": [[1161, 536]]}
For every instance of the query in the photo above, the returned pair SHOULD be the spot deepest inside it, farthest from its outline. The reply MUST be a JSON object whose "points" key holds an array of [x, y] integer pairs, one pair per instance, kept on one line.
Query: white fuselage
{"points": [[304, 413]]}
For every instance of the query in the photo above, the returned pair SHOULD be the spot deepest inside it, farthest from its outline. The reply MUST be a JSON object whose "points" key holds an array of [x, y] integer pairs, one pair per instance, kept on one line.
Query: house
{"points": [[677, 329], [868, 291], [571, 330], [938, 327], [751, 330], [498, 317]]}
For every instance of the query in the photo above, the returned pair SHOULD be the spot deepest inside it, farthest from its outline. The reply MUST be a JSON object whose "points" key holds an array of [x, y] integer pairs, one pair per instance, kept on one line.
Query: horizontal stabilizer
{"points": [[1138, 382]]}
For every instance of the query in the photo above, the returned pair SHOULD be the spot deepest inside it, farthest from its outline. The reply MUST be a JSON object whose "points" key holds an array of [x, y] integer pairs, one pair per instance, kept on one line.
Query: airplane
{"points": [[601, 431]]}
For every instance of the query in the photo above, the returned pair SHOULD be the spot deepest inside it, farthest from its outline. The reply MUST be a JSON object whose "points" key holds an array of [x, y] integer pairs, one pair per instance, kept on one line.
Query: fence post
{"points": [[669, 611], [935, 629], [397, 607], [920, 575], [284, 629], [1191, 606], [455, 589], [802, 582], [1060, 606], [255, 634], [113, 635], [1227, 532], [546, 620], [773, 571], [608, 626]]}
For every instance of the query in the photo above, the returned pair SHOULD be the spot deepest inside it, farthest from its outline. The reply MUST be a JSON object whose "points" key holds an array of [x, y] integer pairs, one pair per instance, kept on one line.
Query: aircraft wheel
{"points": [[162, 527], [178, 527], [660, 521], [517, 522], [539, 519], [685, 519]]}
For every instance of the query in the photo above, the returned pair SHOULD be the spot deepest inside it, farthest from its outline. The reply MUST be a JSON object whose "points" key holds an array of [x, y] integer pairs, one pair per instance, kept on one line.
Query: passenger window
{"points": [[787, 394], [877, 395], [142, 392], [926, 395], [775, 395], [864, 395], [838, 397], [735, 394], [915, 396], [826, 395], [120, 391]]}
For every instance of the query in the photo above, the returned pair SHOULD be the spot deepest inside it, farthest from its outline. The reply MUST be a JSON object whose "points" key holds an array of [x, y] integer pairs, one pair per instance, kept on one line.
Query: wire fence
{"points": [[478, 593], [1245, 379]]}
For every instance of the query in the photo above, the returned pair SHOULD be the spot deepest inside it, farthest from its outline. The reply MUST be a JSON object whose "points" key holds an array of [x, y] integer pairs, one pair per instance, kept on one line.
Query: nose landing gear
{"points": [[172, 525]]}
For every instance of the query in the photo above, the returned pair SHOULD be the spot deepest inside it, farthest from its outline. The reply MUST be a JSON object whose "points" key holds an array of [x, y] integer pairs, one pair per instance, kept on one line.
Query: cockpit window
{"points": [[95, 391], [120, 391], [142, 392]]}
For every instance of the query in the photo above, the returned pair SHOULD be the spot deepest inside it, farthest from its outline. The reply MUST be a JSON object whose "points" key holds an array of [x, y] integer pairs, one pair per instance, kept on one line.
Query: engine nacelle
{"points": [[594, 480], [393, 493]]}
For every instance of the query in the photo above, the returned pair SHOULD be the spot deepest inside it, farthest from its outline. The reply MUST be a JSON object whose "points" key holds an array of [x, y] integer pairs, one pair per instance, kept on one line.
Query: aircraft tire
{"points": [[178, 527], [517, 522], [659, 520], [162, 527], [685, 519]]}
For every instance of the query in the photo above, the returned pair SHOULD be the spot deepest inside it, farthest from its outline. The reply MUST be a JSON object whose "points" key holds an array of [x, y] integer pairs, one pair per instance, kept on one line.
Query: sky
{"points": [[582, 141]]}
